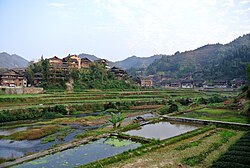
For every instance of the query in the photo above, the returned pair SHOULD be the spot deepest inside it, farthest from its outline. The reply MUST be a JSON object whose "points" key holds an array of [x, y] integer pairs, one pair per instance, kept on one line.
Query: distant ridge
{"points": [[137, 62], [12, 61], [90, 57]]}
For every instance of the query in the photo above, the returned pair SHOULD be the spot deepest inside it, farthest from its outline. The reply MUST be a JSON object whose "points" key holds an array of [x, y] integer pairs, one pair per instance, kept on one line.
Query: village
{"points": [[58, 69]]}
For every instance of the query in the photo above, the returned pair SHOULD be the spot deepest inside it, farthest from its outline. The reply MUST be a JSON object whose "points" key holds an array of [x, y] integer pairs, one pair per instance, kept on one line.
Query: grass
{"points": [[217, 114], [60, 136], [163, 153], [225, 135], [35, 133], [145, 149]]}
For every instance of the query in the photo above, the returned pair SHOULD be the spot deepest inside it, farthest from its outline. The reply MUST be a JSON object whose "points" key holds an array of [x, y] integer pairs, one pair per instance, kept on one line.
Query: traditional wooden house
{"points": [[55, 61], [198, 83], [12, 78], [85, 63], [175, 84], [73, 61], [220, 83], [119, 73], [146, 82], [102, 62], [187, 84], [236, 83], [37, 79]]}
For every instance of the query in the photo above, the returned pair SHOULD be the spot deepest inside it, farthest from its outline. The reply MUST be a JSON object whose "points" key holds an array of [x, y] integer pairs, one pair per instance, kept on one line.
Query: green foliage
{"points": [[244, 88], [211, 61], [213, 99], [188, 145], [145, 148], [60, 109], [32, 113], [113, 120], [184, 101], [168, 108], [248, 72], [164, 110], [197, 159], [246, 110], [116, 118], [237, 155]]}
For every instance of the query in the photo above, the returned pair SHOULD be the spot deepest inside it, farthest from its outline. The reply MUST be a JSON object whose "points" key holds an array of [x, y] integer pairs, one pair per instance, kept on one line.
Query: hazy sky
{"points": [[116, 29]]}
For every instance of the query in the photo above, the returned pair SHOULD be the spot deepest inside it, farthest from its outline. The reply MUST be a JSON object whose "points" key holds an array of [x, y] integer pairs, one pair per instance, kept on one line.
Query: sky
{"points": [[117, 29]]}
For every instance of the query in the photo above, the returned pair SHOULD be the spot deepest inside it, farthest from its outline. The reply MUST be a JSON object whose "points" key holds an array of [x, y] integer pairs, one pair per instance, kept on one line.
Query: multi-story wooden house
{"points": [[119, 73], [12, 78], [73, 61], [85, 63]]}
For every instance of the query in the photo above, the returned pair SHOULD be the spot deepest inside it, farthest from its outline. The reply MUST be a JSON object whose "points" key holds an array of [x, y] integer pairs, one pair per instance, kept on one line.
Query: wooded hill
{"points": [[213, 61]]}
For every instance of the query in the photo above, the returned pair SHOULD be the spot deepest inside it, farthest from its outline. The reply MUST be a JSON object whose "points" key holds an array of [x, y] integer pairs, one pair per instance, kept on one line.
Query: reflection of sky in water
{"points": [[12, 130], [19, 148], [161, 130], [145, 116], [82, 154]]}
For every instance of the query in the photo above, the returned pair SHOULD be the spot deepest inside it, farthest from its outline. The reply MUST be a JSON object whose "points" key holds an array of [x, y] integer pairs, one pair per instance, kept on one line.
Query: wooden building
{"points": [[118, 72], [12, 78], [73, 61], [85, 63]]}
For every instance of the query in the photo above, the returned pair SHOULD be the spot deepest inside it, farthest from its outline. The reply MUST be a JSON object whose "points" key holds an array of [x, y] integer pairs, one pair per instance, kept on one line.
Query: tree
{"points": [[117, 118], [248, 72]]}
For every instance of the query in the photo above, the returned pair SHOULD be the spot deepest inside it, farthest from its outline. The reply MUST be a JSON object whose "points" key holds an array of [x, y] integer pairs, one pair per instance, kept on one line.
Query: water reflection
{"points": [[80, 155], [161, 130]]}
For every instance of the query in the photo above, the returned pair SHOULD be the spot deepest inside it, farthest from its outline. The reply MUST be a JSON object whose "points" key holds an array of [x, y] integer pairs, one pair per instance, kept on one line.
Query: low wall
{"points": [[204, 122], [22, 90]]}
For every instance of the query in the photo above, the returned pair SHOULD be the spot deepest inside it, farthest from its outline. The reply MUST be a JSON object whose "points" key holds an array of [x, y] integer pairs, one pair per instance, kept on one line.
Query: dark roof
{"points": [[186, 81], [74, 60], [85, 60], [55, 58], [9, 71]]}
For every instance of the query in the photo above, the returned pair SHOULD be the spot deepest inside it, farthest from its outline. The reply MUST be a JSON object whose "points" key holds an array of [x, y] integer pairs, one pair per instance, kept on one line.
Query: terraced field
{"points": [[56, 118], [217, 114], [198, 148], [238, 155]]}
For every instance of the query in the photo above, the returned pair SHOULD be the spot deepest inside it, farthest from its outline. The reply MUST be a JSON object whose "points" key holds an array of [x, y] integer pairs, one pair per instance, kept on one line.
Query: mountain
{"points": [[12, 61], [213, 61], [138, 62], [90, 57], [93, 58]]}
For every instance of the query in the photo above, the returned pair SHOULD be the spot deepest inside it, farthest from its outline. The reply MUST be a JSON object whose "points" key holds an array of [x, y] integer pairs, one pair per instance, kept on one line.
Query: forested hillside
{"points": [[208, 62]]}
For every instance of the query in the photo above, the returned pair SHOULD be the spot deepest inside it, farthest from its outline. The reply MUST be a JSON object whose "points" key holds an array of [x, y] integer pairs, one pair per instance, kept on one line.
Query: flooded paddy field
{"points": [[83, 154], [162, 130]]}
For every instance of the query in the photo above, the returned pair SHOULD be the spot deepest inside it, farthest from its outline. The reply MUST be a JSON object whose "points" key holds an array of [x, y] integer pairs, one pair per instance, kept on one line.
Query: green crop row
{"points": [[237, 156]]}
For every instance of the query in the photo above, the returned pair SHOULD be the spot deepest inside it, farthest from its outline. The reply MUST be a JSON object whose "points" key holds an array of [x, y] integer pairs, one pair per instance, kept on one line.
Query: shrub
{"points": [[184, 102], [248, 94], [60, 109], [223, 164], [164, 110], [237, 159], [202, 100], [244, 88], [110, 105]]}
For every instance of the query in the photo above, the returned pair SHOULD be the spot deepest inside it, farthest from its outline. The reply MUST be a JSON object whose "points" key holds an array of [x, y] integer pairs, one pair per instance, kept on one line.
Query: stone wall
{"points": [[22, 90]]}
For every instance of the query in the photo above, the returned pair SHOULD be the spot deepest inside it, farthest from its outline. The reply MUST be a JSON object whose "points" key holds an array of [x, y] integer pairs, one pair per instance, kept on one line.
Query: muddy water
{"points": [[80, 155], [162, 130]]}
